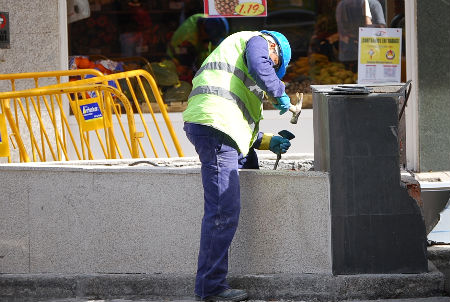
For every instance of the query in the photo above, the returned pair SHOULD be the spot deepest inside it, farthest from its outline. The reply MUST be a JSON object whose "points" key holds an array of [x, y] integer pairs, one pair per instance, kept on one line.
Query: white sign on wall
{"points": [[379, 55]]}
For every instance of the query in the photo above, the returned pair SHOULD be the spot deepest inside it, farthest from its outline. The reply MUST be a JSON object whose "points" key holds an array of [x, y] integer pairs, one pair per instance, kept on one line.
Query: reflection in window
{"points": [[137, 34]]}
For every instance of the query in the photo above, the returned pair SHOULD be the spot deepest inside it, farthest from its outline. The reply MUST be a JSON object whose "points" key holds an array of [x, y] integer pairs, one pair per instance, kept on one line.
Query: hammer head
{"points": [[286, 134], [297, 109]]}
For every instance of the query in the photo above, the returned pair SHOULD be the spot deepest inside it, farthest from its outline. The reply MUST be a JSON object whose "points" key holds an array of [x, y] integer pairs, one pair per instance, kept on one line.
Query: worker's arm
{"points": [[260, 67], [268, 141]]}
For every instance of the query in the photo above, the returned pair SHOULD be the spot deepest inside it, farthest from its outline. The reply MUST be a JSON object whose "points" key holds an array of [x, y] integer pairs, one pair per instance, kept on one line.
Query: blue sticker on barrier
{"points": [[0, 138], [91, 111]]}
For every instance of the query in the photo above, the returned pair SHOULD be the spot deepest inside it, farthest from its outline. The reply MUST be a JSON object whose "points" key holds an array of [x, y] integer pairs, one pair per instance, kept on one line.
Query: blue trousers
{"points": [[220, 162]]}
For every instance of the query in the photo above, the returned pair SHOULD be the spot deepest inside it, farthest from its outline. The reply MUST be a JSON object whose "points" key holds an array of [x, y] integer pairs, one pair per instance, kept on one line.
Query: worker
{"points": [[194, 40], [222, 122]]}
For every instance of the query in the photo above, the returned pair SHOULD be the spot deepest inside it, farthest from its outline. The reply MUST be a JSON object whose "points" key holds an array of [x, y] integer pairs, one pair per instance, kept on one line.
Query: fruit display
{"points": [[304, 86], [226, 7], [165, 73], [316, 70]]}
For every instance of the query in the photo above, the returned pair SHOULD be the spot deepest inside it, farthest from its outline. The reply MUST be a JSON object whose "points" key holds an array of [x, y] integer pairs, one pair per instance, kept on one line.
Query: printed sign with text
{"points": [[91, 114], [235, 8], [379, 55]]}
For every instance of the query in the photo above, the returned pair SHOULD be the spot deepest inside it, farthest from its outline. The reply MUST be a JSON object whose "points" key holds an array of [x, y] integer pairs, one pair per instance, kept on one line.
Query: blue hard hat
{"points": [[216, 29], [285, 51]]}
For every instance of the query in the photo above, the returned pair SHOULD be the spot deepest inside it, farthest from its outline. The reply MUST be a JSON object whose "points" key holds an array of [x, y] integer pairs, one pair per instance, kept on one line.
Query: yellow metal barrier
{"points": [[4, 144], [51, 123], [35, 77], [28, 80], [138, 86]]}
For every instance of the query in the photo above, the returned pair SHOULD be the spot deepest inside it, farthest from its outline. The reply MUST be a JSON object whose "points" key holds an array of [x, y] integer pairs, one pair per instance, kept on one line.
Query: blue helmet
{"points": [[285, 51]]}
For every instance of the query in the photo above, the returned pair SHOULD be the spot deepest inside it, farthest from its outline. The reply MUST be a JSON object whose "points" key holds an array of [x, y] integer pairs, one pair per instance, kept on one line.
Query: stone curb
{"points": [[309, 287]]}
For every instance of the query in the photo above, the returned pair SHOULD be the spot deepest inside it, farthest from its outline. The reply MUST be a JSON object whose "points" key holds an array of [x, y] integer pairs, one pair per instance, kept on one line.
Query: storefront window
{"points": [[137, 34]]}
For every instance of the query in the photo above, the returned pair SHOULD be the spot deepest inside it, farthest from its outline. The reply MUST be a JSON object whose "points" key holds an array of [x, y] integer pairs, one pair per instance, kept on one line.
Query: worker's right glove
{"points": [[283, 103], [279, 144]]}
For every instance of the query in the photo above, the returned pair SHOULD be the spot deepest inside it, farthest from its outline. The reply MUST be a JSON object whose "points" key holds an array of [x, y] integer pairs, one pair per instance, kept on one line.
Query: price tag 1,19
{"points": [[250, 9]]}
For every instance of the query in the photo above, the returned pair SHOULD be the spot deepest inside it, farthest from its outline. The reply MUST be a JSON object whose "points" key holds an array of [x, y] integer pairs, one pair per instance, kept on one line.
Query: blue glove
{"points": [[284, 102], [279, 144]]}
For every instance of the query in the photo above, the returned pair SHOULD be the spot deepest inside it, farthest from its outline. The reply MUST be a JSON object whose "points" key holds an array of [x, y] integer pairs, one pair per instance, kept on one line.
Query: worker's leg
{"points": [[222, 206]]}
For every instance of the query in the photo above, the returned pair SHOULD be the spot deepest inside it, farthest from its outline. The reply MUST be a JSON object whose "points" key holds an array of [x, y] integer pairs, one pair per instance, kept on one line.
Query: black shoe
{"points": [[230, 294]]}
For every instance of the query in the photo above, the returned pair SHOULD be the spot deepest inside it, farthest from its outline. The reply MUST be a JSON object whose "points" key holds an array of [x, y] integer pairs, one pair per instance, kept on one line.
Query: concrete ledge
{"points": [[439, 255], [317, 287], [111, 229], [115, 217], [325, 287]]}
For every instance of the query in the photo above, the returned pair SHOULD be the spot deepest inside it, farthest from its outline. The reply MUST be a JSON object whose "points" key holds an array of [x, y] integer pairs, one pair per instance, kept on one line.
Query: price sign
{"points": [[235, 8], [250, 9]]}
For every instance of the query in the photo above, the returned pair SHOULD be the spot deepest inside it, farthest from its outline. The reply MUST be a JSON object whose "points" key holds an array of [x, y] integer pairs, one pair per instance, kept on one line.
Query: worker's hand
{"points": [[283, 103], [279, 144]]}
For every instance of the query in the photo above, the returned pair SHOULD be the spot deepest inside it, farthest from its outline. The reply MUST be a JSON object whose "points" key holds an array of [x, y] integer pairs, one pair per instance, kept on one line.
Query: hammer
{"points": [[289, 136], [296, 109]]}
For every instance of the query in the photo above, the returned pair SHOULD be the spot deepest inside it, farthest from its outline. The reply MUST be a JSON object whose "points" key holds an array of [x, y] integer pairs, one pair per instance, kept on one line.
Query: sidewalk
{"points": [[158, 287], [430, 299]]}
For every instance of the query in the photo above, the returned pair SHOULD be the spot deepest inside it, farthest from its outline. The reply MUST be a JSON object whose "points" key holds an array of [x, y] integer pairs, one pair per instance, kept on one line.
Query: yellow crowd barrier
{"points": [[44, 132], [141, 89], [27, 80], [132, 91]]}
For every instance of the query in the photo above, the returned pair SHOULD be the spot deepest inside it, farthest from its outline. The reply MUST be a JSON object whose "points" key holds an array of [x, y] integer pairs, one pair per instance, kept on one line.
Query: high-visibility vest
{"points": [[225, 96]]}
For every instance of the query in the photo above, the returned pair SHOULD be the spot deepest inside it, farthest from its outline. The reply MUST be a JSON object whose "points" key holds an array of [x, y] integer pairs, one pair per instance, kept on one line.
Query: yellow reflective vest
{"points": [[225, 96]]}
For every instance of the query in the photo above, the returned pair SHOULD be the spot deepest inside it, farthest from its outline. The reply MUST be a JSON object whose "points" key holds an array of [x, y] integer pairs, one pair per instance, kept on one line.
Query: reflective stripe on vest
{"points": [[248, 82], [226, 94]]}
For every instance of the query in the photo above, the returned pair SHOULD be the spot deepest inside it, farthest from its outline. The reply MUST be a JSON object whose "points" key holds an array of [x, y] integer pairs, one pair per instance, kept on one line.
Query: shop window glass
{"points": [[137, 33]]}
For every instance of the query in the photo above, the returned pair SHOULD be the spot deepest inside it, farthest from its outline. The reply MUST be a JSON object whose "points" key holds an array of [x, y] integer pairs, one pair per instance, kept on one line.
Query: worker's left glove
{"points": [[283, 103], [279, 144]]}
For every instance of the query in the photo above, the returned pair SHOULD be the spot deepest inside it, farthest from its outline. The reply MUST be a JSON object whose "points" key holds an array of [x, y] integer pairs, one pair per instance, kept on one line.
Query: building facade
{"points": [[41, 39]]}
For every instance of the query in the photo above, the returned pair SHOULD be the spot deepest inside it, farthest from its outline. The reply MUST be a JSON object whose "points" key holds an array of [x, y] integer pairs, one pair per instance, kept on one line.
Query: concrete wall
{"points": [[433, 28], [36, 35], [142, 219]]}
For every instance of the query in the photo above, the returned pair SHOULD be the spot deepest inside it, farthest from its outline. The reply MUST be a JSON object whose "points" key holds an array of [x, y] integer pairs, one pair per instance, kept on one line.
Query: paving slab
{"points": [[428, 299]]}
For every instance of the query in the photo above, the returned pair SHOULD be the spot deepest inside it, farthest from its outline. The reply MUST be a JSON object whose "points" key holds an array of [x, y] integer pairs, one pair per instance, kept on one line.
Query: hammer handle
{"points": [[276, 162]]}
